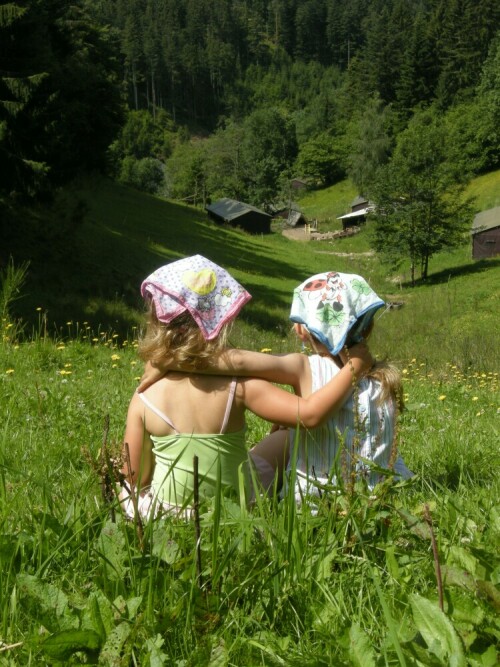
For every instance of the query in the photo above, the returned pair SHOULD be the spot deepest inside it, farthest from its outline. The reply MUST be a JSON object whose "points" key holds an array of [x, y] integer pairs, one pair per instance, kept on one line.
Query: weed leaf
{"points": [[62, 645], [49, 603], [360, 648], [437, 631], [112, 549], [416, 525], [98, 615], [110, 655]]}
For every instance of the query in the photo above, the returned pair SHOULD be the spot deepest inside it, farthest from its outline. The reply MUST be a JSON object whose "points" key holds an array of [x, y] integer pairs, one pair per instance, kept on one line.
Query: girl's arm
{"points": [[277, 405], [283, 369], [139, 446]]}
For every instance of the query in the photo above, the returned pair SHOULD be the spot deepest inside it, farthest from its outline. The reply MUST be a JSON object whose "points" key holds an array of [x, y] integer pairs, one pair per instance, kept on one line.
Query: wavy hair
{"points": [[181, 341], [385, 373]]}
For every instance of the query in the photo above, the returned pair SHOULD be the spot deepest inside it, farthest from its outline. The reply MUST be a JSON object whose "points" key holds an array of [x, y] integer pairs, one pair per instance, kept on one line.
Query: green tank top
{"points": [[220, 456], [173, 479]]}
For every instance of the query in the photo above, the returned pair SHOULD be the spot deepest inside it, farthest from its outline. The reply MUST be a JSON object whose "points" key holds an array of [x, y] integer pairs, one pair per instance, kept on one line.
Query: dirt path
{"points": [[299, 234]]}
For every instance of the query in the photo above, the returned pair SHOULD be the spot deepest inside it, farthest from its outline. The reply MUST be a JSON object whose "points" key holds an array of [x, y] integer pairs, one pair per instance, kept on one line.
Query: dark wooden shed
{"points": [[238, 214], [486, 234]]}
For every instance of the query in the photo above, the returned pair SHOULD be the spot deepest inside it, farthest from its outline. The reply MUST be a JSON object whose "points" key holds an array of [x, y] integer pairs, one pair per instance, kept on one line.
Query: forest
{"points": [[199, 99]]}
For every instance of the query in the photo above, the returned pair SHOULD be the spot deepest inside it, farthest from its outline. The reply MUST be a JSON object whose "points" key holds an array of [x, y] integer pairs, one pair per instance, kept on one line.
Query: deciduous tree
{"points": [[419, 198]]}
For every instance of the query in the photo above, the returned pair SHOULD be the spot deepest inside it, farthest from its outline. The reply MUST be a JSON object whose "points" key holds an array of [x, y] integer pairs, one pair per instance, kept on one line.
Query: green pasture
{"points": [[354, 585], [89, 271], [406, 574]]}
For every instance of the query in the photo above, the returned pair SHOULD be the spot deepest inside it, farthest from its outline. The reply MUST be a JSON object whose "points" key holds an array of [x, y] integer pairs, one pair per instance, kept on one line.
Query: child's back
{"points": [[188, 416]]}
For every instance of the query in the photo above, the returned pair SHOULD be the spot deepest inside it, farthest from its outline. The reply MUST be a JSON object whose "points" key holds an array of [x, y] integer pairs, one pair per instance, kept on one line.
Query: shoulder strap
{"points": [[229, 405], [157, 411]]}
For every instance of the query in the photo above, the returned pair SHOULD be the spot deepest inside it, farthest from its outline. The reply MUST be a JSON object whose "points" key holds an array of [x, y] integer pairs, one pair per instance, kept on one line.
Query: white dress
{"points": [[361, 429]]}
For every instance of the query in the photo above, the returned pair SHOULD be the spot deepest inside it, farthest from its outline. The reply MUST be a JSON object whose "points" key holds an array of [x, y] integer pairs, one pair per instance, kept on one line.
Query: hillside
{"points": [[91, 270]]}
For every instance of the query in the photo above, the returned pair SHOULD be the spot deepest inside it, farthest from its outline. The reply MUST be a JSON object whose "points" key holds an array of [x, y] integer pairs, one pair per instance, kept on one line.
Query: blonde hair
{"points": [[383, 372], [181, 340]]}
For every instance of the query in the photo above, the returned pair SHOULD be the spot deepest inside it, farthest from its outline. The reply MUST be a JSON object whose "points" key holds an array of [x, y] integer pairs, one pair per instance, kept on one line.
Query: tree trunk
{"points": [[153, 93], [134, 86]]}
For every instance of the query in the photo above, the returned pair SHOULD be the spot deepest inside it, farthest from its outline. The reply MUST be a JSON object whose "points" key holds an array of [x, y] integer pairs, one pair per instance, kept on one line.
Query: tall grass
{"points": [[352, 584]]}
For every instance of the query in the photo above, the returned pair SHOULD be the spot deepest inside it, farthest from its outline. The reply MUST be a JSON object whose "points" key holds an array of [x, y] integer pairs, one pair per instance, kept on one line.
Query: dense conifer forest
{"points": [[198, 99]]}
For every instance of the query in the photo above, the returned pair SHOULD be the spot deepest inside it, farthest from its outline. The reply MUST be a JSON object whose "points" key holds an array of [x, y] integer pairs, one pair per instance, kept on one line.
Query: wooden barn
{"points": [[291, 214], [360, 207], [237, 214], [486, 234]]}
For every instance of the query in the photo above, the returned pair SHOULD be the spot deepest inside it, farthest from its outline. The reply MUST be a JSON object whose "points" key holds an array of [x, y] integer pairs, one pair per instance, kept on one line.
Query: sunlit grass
{"points": [[280, 586]]}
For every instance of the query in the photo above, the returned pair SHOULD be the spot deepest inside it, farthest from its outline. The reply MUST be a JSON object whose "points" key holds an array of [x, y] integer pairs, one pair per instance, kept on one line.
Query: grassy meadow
{"points": [[406, 574]]}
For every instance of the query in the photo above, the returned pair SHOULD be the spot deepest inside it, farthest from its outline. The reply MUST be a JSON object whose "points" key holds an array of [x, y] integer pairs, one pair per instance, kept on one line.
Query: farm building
{"points": [[237, 214], [486, 234], [298, 184], [291, 214], [360, 207]]}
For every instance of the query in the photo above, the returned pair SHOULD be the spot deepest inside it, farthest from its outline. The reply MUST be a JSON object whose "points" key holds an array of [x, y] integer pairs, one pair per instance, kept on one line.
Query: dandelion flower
{"points": [[266, 350], [442, 397], [9, 371], [475, 398], [115, 357]]}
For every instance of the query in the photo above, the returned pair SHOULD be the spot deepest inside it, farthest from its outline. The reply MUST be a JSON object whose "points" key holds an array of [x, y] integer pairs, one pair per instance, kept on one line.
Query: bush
{"points": [[147, 174]]}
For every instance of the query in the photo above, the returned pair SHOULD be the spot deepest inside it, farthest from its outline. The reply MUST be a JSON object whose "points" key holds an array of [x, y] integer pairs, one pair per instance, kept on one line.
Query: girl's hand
{"points": [[151, 375], [358, 351]]}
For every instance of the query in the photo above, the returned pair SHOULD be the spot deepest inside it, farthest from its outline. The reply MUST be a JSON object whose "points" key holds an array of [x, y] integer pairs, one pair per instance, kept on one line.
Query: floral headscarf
{"points": [[334, 305], [195, 284]]}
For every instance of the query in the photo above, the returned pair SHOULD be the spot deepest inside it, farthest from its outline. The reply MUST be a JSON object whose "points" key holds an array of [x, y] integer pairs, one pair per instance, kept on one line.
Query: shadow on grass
{"points": [[445, 275], [88, 268]]}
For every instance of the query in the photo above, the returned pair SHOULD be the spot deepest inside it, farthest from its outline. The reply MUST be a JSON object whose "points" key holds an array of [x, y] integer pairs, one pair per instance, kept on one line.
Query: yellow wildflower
{"points": [[442, 397], [9, 371]]}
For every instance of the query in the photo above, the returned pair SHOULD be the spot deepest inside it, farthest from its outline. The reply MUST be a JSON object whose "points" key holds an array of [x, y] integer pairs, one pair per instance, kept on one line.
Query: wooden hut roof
{"points": [[230, 209], [486, 220]]}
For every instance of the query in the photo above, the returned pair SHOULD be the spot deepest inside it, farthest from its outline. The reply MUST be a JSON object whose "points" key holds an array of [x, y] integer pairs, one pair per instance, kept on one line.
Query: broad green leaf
{"points": [[50, 603], [360, 648], [219, 655], [62, 645], [133, 605], [156, 656], [164, 547], [110, 655], [437, 631], [416, 525], [490, 591], [98, 614], [487, 659], [464, 559], [454, 576], [111, 545], [465, 609]]}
